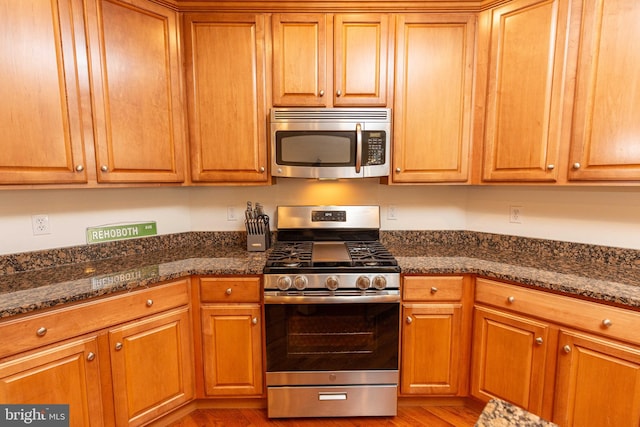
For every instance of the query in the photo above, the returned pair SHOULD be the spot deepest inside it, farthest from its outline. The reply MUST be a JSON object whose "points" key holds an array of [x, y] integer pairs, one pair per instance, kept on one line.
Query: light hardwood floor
{"points": [[408, 416]]}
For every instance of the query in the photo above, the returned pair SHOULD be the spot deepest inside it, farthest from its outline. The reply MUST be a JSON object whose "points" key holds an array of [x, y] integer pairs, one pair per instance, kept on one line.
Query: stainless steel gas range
{"points": [[332, 308]]}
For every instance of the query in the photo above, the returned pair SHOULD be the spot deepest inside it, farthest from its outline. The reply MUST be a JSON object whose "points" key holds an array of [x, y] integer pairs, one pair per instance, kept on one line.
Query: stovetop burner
{"points": [[300, 255]]}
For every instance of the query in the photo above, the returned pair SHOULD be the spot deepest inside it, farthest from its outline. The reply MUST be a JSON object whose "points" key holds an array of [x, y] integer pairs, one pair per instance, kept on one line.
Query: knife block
{"points": [[258, 240]]}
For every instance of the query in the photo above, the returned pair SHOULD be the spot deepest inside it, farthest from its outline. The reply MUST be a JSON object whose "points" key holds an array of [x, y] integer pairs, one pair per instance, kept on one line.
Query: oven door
{"points": [[338, 334]]}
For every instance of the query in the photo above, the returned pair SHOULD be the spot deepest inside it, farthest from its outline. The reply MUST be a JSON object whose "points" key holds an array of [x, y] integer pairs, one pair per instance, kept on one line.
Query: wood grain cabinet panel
{"points": [[67, 374], [510, 358], [225, 63], [42, 133], [526, 89], [152, 366], [598, 382], [325, 60], [136, 91], [433, 92], [605, 142]]}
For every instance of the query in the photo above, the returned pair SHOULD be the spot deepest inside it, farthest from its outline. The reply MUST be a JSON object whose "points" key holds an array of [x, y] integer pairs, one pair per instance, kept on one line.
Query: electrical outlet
{"points": [[40, 224], [392, 212], [232, 214], [515, 214]]}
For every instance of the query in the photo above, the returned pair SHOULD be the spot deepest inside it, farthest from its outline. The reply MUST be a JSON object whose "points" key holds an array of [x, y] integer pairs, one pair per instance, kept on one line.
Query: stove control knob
{"points": [[379, 282], [300, 282], [332, 283], [284, 283], [363, 283]]}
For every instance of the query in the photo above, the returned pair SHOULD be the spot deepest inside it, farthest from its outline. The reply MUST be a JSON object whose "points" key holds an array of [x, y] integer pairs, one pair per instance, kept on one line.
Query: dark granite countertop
{"points": [[498, 413], [34, 281]]}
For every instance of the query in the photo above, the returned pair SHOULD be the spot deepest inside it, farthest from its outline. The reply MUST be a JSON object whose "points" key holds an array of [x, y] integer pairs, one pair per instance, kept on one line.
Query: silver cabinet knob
{"points": [[261, 169], [434, 289], [539, 341], [321, 93], [576, 165], [398, 170], [228, 291], [149, 302], [511, 300], [91, 356], [551, 167], [254, 321], [607, 323], [104, 168], [79, 168], [409, 320], [566, 349], [118, 346], [42, 331], [339, 93]]}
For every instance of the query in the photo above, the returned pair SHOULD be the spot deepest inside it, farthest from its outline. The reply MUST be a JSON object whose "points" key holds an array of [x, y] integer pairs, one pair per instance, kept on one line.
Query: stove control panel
{"points": [[332, 282]]}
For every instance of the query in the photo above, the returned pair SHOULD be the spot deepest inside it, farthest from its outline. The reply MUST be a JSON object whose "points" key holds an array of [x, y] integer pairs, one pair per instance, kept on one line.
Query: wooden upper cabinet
{"points": [[41, 127], [605, 141], [433, 93], [524, 100], [135, 83], [225, 63], [324, 60]]}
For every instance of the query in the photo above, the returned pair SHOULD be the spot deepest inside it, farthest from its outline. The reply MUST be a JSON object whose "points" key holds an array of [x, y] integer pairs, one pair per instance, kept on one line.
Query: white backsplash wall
{"points": [[606, 216]]}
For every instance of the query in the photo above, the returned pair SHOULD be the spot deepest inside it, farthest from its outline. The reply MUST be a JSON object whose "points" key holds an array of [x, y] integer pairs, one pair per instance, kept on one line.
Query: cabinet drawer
{"points": [[230, 289], [432, 288], [41, 329], [589, 316]]}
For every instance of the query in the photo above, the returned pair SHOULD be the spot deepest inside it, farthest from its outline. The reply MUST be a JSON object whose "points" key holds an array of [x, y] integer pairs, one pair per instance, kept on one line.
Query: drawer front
{"points": [[593, 317], [432, 288], [230, 289], [41, 329]]}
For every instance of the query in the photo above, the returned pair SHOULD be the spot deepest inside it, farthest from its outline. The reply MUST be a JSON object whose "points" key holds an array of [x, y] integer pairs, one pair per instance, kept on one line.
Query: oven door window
{"points": [[316, 148], [320, 337]]}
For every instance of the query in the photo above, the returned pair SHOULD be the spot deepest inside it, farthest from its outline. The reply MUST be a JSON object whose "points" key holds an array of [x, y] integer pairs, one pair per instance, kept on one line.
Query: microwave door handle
{"points": [[358, 147]]}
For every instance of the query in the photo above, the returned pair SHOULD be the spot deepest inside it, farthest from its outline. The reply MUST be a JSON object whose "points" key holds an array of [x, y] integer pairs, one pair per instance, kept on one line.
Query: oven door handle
{"points": [[330, 299]]}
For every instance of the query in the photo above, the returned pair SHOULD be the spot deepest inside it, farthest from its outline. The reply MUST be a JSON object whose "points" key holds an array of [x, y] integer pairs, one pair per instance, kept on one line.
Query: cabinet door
{"points": [[431, 348], [510, 358], [152, 366], [63, 374], [300, 60], [525, 90], [598, 382], [232, 349], [433, 92], [606, 131], [136, 88], [42, 55], [225, 62], [360, 60]]}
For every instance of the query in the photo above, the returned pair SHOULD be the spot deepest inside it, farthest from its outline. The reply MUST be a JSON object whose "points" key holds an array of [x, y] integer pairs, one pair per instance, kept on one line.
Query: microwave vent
{"points": [[331, 114]]}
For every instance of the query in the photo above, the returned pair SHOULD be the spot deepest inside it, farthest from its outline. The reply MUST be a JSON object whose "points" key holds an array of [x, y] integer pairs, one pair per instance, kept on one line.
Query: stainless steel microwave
{"points": [[330, 143]]}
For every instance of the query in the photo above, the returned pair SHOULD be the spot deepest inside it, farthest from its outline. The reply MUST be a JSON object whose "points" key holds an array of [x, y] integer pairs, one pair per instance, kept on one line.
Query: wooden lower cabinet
{"points": [[434, 348], [152, 366], [232, 350], [510, 358], [67, 373], [598, 382]]}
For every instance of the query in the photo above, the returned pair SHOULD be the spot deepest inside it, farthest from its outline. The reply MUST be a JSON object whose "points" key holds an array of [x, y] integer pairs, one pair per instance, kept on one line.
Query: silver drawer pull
{"points": [[228, 291], [511, 300], [149, 302], [607, 323], [434, 289], [41, 331], [332, 396]]}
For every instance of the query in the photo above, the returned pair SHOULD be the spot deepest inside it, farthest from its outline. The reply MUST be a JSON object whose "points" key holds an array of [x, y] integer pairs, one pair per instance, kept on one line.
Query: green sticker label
{"points": [[108, 233]]}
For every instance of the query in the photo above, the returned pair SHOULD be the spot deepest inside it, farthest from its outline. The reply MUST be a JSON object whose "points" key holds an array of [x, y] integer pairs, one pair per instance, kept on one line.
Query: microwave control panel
{"points": [[374, 148]]}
